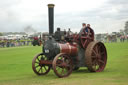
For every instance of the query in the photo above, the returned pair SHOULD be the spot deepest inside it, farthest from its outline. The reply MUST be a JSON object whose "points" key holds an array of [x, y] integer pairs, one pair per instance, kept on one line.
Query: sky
{"points": [[105, 16]]}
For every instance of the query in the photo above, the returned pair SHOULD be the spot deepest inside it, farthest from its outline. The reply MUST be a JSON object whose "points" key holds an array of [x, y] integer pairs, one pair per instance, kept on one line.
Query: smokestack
{"points": [[51, 18]]}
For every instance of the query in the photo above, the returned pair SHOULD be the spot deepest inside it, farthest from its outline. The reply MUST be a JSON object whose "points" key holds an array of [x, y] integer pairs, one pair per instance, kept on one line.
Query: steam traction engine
{"points": [[79, 50]]}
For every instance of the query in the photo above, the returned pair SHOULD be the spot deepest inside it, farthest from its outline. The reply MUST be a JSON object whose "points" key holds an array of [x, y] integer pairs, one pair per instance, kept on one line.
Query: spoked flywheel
{"points": [[86, 38], [38, 67], [62, 65], [96, 56]]}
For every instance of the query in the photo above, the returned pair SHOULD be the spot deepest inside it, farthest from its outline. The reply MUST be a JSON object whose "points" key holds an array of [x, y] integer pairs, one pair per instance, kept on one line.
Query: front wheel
{"points": [[62, 65], [38, 68]]}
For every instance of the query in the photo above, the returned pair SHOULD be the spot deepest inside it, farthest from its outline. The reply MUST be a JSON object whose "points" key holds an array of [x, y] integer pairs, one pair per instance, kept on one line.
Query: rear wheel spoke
{"points": [[102, 53], [101, 61], [94, 52], [97, 51]]}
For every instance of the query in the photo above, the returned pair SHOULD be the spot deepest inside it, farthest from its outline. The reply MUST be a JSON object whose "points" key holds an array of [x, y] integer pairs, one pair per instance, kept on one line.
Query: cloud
{"points": [[103, 15]]}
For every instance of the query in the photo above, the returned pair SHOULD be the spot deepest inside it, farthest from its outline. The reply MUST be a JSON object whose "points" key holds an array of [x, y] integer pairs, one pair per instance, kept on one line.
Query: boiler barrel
{"points": [[67, 48]]}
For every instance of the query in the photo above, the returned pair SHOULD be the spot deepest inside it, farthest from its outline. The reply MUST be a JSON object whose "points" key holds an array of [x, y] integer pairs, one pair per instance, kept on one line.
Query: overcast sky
{"points": [[103, 15]]}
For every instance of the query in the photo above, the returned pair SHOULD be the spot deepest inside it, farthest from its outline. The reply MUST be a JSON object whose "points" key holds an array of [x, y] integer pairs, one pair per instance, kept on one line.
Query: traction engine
{"points": [[64, 57]]}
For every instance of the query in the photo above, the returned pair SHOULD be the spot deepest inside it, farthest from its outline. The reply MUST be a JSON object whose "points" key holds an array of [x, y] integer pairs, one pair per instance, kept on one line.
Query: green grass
{"points": [[16, 68]]}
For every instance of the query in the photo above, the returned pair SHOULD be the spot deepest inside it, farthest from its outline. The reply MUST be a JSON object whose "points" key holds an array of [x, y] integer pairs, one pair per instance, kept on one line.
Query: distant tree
{"points": [[126, 27], [1, 34]]}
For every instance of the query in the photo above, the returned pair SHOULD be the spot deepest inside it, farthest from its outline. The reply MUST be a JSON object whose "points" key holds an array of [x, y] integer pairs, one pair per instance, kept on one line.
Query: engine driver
{"points": [[85, 29]]}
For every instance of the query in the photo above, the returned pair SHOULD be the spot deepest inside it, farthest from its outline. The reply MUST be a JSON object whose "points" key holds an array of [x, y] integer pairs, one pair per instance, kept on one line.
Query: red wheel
{"points": [[62, 65], [38, 68], [96, 57]]}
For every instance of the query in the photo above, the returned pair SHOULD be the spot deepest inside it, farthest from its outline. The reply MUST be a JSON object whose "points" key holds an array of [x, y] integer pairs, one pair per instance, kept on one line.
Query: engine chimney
{"points": [[51, 18]]}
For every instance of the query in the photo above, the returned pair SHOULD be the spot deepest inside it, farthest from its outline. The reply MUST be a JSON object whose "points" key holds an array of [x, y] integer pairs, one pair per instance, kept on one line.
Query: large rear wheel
{"points": [[96, 56]]}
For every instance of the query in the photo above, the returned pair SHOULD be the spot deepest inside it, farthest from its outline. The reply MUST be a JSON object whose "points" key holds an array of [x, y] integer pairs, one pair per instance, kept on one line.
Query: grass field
{"points": [[16, 68]]}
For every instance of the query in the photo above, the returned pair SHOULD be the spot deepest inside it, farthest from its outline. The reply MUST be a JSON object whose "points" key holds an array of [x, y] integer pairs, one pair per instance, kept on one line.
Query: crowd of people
{"points": [[14, 42], [123, 38]]}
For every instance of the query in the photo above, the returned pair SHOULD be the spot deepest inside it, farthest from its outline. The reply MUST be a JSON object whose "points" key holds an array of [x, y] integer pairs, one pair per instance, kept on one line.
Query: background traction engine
{"points": [[66, 56]]}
